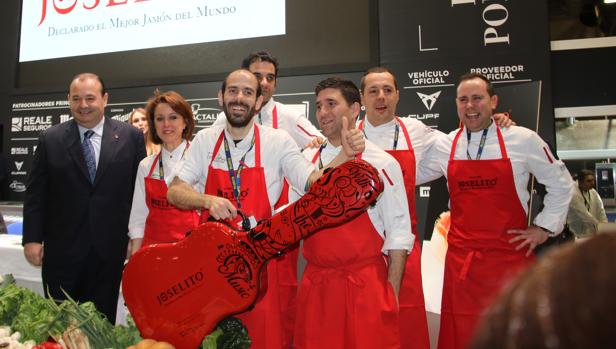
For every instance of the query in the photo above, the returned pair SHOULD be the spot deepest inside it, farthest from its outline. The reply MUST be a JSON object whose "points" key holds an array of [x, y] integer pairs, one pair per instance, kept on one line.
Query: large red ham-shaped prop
{"points": [[178, 292]]}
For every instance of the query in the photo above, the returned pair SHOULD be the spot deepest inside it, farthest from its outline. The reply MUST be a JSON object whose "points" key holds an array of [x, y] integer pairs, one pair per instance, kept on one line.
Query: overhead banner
{"points": [[60, 28], [429, 44]]}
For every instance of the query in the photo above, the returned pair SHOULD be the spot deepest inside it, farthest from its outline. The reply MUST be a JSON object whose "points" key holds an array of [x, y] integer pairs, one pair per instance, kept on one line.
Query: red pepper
{"points": [[49, 345]]}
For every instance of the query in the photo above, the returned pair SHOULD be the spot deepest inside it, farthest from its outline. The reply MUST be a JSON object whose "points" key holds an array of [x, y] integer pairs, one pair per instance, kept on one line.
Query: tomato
{"points": [[48, 345]]}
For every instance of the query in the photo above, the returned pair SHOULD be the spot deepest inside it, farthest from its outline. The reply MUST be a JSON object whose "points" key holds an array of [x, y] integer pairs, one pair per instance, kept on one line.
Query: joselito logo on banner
{"points": [[65, 9], [429, 100], [30, 123]]}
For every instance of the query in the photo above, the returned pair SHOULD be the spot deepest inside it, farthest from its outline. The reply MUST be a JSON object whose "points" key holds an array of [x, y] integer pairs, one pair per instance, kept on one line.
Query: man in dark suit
{"points": [[78, 199]]}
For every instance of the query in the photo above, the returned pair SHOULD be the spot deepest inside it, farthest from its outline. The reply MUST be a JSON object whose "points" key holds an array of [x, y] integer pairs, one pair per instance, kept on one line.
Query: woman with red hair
{"points": [[153, 219]]}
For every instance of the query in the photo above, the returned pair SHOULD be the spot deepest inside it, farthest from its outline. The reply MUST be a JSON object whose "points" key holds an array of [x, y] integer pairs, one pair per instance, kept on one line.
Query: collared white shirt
{"points": [[139, 210], [280, 158], [96, 139], [390, 216], [295, 123], [529, 154]]}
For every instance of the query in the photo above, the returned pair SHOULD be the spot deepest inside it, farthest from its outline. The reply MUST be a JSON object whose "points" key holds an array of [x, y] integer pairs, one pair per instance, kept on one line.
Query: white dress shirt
{"points": [[139, 210], [528, 153], [295, 123], [390, 216]]}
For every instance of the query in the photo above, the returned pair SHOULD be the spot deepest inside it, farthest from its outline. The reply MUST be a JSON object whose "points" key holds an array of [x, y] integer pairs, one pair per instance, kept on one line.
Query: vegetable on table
{"points": [[34, 319]]}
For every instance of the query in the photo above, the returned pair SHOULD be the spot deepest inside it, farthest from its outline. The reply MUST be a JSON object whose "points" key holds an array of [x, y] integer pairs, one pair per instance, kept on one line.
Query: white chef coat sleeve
{"points": [[433, 165], [295, 167], [139, 210], [304, 131], [393, 209], [558, 183], [191, 168], [296, 193]]}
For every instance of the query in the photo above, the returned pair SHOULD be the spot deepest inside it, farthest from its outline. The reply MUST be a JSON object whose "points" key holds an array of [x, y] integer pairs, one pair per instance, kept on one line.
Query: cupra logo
{"points": [[429, 100]]}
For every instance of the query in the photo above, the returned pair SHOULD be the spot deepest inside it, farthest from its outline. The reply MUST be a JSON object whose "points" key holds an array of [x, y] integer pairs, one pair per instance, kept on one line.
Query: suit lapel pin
{"points": [[116, 136]]}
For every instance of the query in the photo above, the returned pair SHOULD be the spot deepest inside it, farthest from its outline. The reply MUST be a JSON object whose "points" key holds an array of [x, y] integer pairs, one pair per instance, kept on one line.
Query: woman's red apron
{"points": [[345, 299], [265, 322], [413, 322], [484, 205], [165, 222]]}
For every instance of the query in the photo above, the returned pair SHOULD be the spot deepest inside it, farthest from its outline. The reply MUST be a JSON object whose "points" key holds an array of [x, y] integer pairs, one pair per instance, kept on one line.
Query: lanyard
{"points": [[235, 178], [396, 134], [161, 170], [481, 144], [320, 152]]}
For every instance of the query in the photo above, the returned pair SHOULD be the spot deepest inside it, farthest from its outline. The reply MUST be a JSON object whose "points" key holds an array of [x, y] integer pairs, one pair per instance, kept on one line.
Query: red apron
{"points": [[413, 322], [345, 299], [265, 322], [165, 222], [484, 205], [284, 268]]}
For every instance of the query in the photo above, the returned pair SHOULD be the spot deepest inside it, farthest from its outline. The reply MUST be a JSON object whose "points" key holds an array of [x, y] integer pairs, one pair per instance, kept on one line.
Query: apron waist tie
{"points": [[470, 256], [324, 274]]}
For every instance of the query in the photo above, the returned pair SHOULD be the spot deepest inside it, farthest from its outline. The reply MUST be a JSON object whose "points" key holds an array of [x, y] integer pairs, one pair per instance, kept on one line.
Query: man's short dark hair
{"points": [[83, 76], [224, 82], [347, 88], [471, 76], [376, 70], [260, 56]]}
